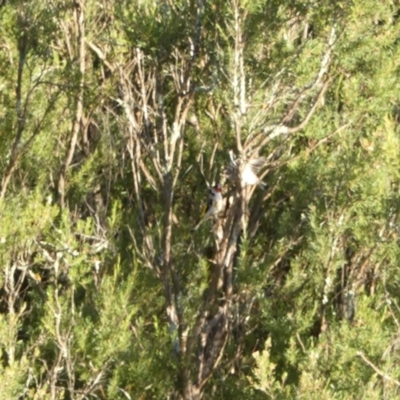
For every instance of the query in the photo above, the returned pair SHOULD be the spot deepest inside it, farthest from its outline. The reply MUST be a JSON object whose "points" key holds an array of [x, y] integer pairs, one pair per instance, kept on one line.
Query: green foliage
{"points": [[84, 309]]}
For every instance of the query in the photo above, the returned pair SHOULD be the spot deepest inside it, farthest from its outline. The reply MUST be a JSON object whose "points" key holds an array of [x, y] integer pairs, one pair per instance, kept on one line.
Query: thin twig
{"points": [[376, 369]]}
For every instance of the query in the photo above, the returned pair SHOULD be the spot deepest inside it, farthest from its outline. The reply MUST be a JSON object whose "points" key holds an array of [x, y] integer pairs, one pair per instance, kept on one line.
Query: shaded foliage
{"points": [[115, 119]]}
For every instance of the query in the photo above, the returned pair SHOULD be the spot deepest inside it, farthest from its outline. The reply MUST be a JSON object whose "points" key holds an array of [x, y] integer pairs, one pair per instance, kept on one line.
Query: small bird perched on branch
{"points": [[249, 171], [214, 205]]}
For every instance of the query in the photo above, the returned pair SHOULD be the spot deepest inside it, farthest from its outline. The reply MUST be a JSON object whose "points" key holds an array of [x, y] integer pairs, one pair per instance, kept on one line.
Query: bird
{"points": [[249, 171], [214, 205]]}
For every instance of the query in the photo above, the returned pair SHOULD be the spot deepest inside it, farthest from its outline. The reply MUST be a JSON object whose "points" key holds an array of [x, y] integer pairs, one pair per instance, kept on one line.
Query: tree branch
{"points": [[376, 369], [76, 125]]}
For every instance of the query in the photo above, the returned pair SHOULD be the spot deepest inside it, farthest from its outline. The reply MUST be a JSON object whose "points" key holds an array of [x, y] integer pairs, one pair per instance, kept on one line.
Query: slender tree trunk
{"points": [[77, 123]]}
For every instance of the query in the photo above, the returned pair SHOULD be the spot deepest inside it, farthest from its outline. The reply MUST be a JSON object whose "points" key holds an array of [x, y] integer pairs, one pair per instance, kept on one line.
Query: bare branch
{"points": [[238, 83], [273, 131], [376, 369], [99, 54], [76, 125]]}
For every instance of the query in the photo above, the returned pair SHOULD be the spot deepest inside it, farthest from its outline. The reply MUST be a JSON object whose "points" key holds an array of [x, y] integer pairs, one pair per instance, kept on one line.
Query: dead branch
{"points": [[320, 83], [376, 369], [21, 114], [76, 125]]}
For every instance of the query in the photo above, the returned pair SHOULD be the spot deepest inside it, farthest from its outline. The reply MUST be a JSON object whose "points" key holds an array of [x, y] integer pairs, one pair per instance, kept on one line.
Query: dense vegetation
{"points": [[115, 118]]}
